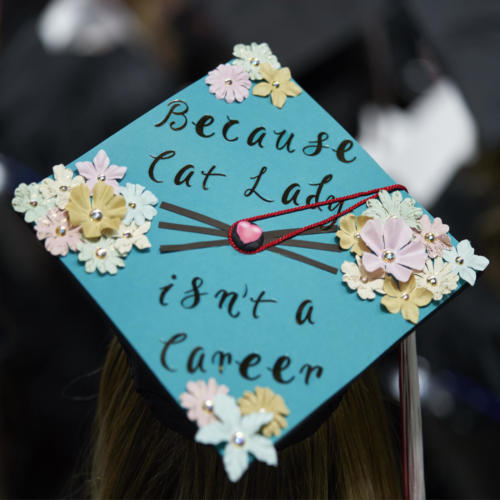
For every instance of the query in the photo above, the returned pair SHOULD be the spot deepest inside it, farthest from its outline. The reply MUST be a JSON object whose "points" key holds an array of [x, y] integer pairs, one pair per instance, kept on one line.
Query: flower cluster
{"points": [[253, 62], [403, 255], [89, 213], [245, 426]]}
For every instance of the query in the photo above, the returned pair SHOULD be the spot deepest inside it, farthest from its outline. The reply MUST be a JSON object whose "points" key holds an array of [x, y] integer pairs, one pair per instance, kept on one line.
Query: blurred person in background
{"points": [[416, 81]]}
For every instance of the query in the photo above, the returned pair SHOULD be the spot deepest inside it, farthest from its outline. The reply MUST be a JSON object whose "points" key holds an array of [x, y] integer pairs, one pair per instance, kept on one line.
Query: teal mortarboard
{"points": [[252, 256]]}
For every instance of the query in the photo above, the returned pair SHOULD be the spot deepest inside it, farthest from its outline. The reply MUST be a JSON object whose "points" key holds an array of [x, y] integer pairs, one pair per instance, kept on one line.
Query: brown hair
{"points": [[350, 456]]}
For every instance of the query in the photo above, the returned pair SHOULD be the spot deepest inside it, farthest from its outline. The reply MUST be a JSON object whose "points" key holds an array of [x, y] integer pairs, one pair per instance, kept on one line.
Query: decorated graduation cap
{"points": [[252, 256]]}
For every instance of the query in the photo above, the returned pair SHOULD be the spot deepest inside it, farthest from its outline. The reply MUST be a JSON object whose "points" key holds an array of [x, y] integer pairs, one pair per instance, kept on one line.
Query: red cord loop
{"points": [[371, 194]]}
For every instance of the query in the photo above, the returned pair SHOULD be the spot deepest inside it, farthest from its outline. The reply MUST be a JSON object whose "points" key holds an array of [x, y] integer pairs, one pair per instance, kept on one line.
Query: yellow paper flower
{"points": [[406, 298], [265, 400], [106, 210], [348, 234], [278, 83]]}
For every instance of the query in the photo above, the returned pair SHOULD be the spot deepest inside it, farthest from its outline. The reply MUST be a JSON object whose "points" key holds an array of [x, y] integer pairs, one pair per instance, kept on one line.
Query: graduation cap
{"points": [[252, 256]]}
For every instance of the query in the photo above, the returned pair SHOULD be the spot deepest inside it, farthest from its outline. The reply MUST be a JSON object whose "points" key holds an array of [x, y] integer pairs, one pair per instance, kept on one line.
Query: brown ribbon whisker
{"points": [[221, 229]]}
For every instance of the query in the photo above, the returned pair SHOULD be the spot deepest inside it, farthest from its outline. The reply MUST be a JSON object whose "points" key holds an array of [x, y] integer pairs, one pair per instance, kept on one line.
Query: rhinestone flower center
{"points": [[101, 178], [228, 81], [254, 61], [96, 215], [238, 438], [275, 84], [33, 203], [432, 280], [60, 230], [63, 188], [405, 296], [101, 253], [128, 234], [459, 260], [388, 256], [208, 406], [429, 237], [132, 204]]}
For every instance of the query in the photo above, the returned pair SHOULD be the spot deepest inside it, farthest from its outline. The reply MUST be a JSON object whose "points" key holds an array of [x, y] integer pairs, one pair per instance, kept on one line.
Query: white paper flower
{"points": [[100, 255], [241, 435], [465, 262], [394, 206], [251, 56], [61, 185], [28, 200], [139, 204], [128, 236], [438, 277], [358, 278]]}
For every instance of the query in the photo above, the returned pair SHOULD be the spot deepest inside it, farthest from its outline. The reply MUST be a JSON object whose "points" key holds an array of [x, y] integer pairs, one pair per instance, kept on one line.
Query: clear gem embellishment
{"points": [[96, 214], [101, 253], [238, 438]]}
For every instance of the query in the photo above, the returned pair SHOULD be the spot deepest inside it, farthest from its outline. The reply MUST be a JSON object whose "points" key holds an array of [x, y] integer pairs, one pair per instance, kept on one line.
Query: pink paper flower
{"points": [[433, 236], [228, 82], [101, 170], [57, 232], [199, 400], [393, 248]]}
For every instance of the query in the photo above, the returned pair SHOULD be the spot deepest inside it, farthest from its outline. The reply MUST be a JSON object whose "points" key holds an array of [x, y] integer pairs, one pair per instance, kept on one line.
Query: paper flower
{"points": [[394, 206], [265, 400], [100, 170], [128, 236], [438, 277], [199, 400], [433, 236], [228, 82], [406, 298], [358, 278], [240, 434], [394, 250], [28, 200], [56, 230], [60, 186], [105, 212], [465, 262], [278, 83], [100, 255], [348, 234], [251, 56], [139, 204]]}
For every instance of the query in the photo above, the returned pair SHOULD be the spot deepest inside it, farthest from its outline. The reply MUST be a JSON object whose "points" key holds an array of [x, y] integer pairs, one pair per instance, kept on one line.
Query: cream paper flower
{"points": [[348, 234], [438, 277], [61, 185], [388, 206], [28, 200], [128, 236], [251, 56], [100, 255], [278, 83], [358, 278]]}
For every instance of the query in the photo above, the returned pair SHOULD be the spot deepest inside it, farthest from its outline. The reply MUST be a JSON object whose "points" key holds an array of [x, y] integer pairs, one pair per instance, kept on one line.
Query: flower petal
{"points": [[291, 89], [252, 422], [282, 75], [421, 297], [226, 409], [478, 262], [213, 433], [371, 262], [262, 449], [467, 274], [396, 234], [392, 304], [268, 73], [412, 255], [401, 273], [262, 89], [278, 98], [235, 461], [348, 223], [410, 312], [372, 236]]}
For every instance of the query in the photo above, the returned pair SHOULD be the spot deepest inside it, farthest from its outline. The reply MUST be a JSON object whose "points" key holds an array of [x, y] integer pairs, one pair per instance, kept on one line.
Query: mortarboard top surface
{"points": [[269, 319]]}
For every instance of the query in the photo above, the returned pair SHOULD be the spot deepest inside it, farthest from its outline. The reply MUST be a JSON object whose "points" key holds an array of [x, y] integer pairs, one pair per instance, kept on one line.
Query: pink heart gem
{"points": [[248, 232]]}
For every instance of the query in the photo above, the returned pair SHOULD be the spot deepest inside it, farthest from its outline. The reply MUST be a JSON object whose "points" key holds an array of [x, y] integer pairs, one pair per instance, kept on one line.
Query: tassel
{"points": [[411, 421]]}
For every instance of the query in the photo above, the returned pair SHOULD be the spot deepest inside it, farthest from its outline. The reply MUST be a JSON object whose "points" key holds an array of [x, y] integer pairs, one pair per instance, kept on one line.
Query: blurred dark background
{"points": [[417, 81]]}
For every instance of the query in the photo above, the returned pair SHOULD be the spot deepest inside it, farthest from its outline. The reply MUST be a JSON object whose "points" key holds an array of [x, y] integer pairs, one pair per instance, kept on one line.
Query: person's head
{"points": [[351, 455]]}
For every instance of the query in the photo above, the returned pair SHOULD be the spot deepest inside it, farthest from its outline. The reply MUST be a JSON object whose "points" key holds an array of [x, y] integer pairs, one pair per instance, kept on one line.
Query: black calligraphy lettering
{"points": [[281, 364], [257, 136], [204, 122], [178, 108], [287, 144], [175, 339], [342, 149], [226, 127], [195, 361], [316, 146], [222, 357], [165, 290], [260, 300], [211, 173], [291, 194], [309, 371], [248, 362], [253, 190], [162, 156], [314, 198], [193, 296], [233, 297], [183, 176], [304, 312]]}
